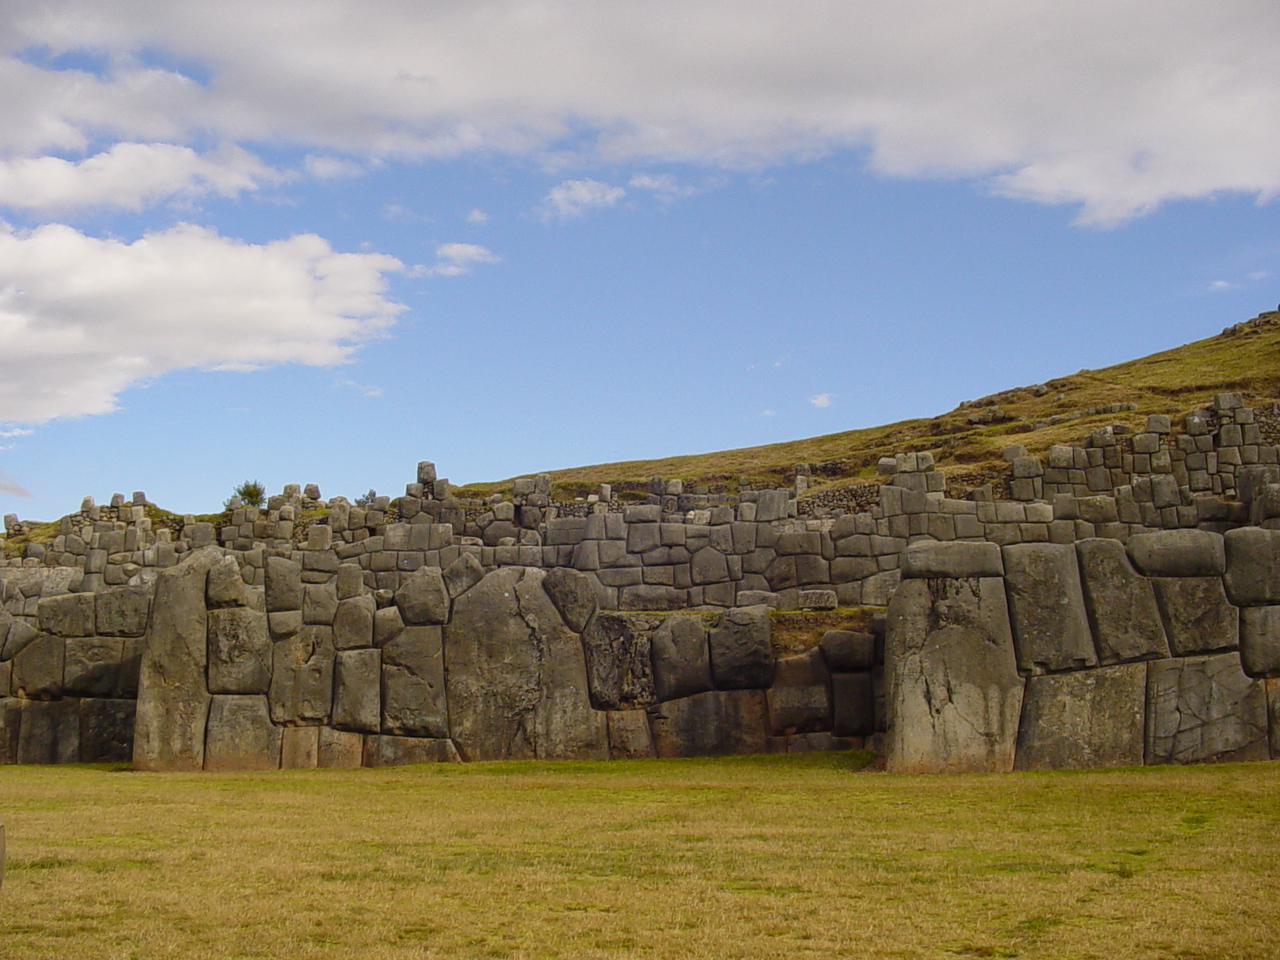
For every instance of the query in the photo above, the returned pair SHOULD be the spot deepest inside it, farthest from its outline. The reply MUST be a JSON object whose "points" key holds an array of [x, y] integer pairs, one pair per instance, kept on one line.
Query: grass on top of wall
{"points": [[772, 857]]}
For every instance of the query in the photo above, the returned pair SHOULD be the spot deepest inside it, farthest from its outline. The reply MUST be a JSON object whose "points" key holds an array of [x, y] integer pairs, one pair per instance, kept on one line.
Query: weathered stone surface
{"points": [[241, 735], [741, 649], [1204, 708], [38, 668], [847, 651], [353, 622], [357, 701], [517, 679], [716, 723], [283, 585], [388, 751], [49, 732], [123, 611], [10, 727], [928, 558], [1198, 617], [708, 565], [422, 598], [1085, 719], [954, 695], [173, 698], [106, 730], [619, 673], [1178, 553], [1260, 640], [20, 634], [853, 705], [573, 596], [239, 651], [339, 749], [629, 737], [225, 587], [302, 676], [70, 615], [299, 748], [319, 603], [387, 625], [1253, 567], [463, 574], [1121, 604], [800, 698], [1046, 605], [679, 658], [91, 665], [413, 684]]}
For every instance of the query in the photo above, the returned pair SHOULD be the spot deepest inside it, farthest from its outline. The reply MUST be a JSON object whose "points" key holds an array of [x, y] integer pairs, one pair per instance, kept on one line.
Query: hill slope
{"points": [[967, 440]]}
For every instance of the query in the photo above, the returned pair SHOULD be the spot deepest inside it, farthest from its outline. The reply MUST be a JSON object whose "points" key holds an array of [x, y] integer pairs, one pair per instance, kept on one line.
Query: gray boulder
{"points": [[106, 730], [283, 585], [91, 666], [742, 649], [847, 651], [1204, 708], [619, 674], [629, 737], [38, 668], [49, 732], [422, 598], [353, 622], [357, 681], [239, 651], [173, 697], [1085, 719], [225, 587], [463, 574], [679, 657], [10, 727], [929, 558], [1253, 566], [853, 704], [573, 596], [954, 695], [1046, 604], [70, 615], [391, 751], [413, 684], [1121, 604], [302, 676], [800, 698], [123, 611], [1178, 553], [1260, 641], [713, 724], [241, 735], [1198, 617]]}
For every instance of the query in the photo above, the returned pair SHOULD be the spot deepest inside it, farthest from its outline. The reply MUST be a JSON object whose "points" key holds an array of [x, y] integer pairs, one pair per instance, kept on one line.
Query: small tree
{"points": [[366, 499], [251, 493]]}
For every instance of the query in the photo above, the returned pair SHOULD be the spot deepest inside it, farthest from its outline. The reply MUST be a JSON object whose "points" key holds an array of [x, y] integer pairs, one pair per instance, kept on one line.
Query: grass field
{"points": [[786, 856]]}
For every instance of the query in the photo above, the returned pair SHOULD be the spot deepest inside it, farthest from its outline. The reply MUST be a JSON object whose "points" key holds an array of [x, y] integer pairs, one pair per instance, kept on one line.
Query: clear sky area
{"points": [[321, 240]]}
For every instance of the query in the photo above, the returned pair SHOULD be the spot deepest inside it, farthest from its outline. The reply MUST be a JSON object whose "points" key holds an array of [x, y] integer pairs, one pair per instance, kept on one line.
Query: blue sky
{"points": [[318, 242]]}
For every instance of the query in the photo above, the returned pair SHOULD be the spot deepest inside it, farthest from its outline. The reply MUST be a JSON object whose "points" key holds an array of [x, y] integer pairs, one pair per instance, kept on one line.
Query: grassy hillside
{"points": [[1244, 358]]}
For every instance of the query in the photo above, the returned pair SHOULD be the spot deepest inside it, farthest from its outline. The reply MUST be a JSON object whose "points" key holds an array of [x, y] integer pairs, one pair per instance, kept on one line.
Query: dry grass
{"points": [[759, 857]]}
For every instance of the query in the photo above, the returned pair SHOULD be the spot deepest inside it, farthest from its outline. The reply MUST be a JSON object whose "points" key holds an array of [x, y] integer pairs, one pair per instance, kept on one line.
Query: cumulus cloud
{"points": [[130, 176], [1115, 107], [822, 400], [663, 186], [331, 168], [477, 216], [573, 198], [82, 318], [454, 259]]}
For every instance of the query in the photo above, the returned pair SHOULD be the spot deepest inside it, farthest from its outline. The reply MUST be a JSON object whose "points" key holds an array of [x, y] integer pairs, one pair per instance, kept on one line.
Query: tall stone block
{"points": [[742, 649], [619, 672], [106, 730], [302, 676], [241, 735], [49, 732], [713, 724], [800, 698], [1085, 719], [239, 651], [1121, 604], [1260, 640], [1204, 708], [1253, 567], [1198, 617], [173, 698], [954, 695], [357, 683], [1046, 605], [680, 659], [413, 684]]}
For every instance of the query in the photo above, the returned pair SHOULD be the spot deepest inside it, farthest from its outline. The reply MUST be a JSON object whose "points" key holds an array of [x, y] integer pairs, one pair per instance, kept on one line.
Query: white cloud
{"points": [[573, 198], [822, 400], [1224, 285], [16, 432], [1116, 107], [331, 168], [664, 186], [363, 389], [12, 487], [455, 259], [477, 216], [1259, 275], [82, 319], [129, 175], [768, 413]]}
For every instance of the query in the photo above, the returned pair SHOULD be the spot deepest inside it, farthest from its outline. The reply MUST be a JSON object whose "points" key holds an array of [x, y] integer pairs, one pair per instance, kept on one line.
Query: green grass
{"points": [[780, 856]]}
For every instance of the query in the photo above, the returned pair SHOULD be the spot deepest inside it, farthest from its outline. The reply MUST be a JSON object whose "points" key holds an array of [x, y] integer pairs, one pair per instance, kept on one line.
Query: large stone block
{"points": [[928, 558], [853, 704], [619, 673], [573, 595], [339, 749], [742, 649], [357, 699], [70, 615], [1253, 567], [353, 622], [1204, 708], [716, 723], [423, 599], [1046, 606], [679, 657], [800, 698], [10, 728], [847, 651], [1260, 640], [302, 676], [462, 574], [319, 603], [241, 735], [239, 651], [1121, 604], [299, 748], [20, 633], [1085, 719], [1179, 553], [123, 611], [225, 586], [91, 666], [413, 684], [389, 751], [629, 736], [707, 566], [283, 585], [106, 730], [1198, 617], [38, 668], [517, 680], [49, 732], [954, 694]]}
